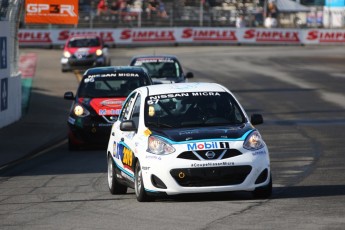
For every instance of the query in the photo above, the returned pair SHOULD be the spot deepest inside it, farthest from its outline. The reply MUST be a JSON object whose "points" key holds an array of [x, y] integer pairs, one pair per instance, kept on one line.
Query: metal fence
{"points": [[177, 14]]}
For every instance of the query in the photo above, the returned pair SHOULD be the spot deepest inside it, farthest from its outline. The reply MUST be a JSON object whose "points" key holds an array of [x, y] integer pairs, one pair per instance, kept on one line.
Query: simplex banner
{"points": [[187, 35]]}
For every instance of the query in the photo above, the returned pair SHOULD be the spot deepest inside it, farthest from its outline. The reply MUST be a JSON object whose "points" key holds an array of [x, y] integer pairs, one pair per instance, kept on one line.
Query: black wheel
{"points": [[114, 186], [263, 192], [72, 146], [139, 185]]}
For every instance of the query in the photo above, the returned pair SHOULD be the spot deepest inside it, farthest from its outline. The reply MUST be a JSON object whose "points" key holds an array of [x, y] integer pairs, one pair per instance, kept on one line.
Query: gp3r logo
{"points": [[51, 8]]}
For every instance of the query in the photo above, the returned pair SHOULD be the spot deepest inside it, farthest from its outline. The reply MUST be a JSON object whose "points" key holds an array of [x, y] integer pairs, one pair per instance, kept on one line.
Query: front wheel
{"points": [[114, 186], [263, 192], [139, 185]]}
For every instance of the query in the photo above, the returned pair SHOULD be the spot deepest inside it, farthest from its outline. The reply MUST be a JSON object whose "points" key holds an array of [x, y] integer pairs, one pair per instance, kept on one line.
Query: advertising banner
{"points": [[187, 35], [51, 12]]}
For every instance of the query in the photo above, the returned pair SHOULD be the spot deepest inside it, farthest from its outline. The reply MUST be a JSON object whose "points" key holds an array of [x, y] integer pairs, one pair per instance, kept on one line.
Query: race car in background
{"points": [[84, 51], [162, 68], [186, 138], [98, 102]]}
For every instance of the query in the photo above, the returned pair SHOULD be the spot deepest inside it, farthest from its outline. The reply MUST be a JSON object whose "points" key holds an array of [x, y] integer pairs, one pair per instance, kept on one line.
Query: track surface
{"points": [[299, 91]]}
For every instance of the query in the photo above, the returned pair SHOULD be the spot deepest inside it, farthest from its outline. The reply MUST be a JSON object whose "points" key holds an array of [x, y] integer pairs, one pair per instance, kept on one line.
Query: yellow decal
{"points": [[147, 132], [127, 157]]}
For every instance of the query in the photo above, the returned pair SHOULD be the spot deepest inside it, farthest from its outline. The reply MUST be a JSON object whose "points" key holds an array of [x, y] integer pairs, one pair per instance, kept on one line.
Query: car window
{"points": [[84, 42], [160, 67], [98, 87], [126, 109], [136, 111], [192, 109]]}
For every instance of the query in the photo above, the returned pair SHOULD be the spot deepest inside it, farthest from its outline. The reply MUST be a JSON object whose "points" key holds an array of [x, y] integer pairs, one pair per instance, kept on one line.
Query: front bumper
{"points": [[89, 132], [178, 176], [83, 62]]}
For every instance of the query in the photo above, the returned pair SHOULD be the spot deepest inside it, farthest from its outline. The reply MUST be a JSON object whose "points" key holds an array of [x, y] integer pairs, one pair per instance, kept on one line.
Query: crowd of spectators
{"points": [[155, 10], [125, 9]]}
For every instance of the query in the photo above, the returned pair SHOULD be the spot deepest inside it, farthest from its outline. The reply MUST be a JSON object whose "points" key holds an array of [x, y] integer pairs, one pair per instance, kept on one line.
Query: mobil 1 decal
{"points": [[208, 145]]}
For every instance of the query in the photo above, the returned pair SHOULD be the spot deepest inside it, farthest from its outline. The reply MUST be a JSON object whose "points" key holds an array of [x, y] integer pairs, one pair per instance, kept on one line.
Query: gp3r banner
{"points": [[51, 12]]}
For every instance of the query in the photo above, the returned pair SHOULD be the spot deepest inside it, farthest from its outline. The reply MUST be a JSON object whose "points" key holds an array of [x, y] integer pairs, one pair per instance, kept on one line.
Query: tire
{"points": [[114, 186], [72, 146], [139, 188], [263, 192]]}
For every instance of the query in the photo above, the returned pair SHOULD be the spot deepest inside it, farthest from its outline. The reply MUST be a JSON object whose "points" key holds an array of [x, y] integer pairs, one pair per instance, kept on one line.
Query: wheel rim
{"points": [[110, 173]]}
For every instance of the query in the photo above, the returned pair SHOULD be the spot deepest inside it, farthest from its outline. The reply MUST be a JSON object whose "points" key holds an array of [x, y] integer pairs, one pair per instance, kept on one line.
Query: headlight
{"points": [[159, 146], [99, 52], [253, 141], [79, 111], [66, 54]]}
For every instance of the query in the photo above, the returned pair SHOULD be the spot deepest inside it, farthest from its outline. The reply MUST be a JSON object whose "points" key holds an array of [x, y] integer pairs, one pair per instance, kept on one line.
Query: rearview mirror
{"points": [[127, 126], [256, 119], [69, 96]]}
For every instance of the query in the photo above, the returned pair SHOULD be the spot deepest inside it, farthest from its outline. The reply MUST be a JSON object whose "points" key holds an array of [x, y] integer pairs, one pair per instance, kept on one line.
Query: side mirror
{"points": [[127, 126], [256, 119], [189, 75], [69, 96]]}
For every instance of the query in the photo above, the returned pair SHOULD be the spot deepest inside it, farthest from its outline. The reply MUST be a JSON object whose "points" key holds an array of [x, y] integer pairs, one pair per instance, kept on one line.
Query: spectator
{"points": [[270, 22], [155, 8], [102, 7], [240, 21]]}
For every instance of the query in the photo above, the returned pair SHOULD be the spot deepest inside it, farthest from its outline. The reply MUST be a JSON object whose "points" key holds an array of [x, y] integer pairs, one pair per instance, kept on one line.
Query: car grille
{"points": [[210, 176], [216, 154], [83, 60]]}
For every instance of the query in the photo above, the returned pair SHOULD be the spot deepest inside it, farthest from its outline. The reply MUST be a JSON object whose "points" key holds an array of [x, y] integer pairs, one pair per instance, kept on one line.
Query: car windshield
{"points": [[98, 87], [160, 67], [192, 110], [84, 42]]}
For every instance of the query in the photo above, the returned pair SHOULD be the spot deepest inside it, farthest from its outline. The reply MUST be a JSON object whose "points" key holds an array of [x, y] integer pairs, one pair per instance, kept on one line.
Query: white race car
{"points": [[186, 138]]}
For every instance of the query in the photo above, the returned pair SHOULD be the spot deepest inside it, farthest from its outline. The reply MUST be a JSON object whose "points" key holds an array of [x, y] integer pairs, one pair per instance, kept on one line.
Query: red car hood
{"points": [[88, 50], [107, 106]]}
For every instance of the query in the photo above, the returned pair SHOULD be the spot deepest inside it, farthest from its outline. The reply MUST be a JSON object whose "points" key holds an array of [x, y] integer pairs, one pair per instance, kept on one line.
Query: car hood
{"points": [[104, 106], [83, 50], [202, 133]]}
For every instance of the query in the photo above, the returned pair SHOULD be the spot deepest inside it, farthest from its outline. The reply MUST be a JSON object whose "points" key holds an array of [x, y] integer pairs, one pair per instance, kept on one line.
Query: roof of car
{"points": [[184, 87], [155, 56], [112, 69]]}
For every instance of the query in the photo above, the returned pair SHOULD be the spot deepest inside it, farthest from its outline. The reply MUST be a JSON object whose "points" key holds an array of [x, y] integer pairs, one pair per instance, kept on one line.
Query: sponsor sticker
{"points": [[208, 145], [259, 152], [212, 164]]}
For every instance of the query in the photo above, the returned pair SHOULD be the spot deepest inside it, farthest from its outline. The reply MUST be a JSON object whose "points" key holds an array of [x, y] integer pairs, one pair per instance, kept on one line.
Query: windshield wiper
{"points": [[157, 124]]}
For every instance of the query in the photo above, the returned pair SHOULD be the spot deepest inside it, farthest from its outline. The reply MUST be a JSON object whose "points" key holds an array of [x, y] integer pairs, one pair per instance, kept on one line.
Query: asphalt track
{"points": [[299, 91]]}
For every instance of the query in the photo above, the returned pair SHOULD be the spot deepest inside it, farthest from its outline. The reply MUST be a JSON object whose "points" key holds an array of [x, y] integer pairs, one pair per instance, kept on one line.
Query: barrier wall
{"points": [[10, 84], [187, 36]]}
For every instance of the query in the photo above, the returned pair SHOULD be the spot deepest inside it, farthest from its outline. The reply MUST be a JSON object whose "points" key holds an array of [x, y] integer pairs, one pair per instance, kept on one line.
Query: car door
{"points": [[125, 143]]}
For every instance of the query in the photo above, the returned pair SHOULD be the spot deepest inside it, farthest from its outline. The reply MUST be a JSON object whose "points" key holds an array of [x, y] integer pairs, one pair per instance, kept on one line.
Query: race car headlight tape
{"points": [[80, 111], [253, 141], [159, 146]]}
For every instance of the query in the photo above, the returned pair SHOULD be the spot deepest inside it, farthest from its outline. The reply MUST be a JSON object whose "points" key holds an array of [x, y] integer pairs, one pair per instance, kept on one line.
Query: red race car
{"points": [[84, 51]]}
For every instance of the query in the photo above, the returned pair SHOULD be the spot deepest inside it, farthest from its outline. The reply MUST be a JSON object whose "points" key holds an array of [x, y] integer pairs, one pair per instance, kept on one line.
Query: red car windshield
{"points": [[84, 42]]}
